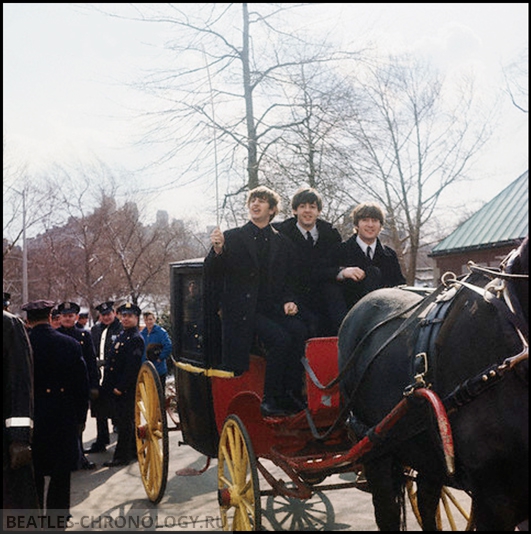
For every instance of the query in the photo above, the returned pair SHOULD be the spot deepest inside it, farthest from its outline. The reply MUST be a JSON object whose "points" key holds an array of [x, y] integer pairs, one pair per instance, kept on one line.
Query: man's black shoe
{"points": [[87, 465], [115, 463], [95, 447], [294, 403], [270, 408]]}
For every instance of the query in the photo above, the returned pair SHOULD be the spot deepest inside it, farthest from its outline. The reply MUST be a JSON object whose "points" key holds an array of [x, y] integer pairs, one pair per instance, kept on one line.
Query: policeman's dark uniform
{"points": [[85, 340], [89, 355], [121, 372], [61, 404], [82, 315], [99, 410], [19, 490], [7, 300]]}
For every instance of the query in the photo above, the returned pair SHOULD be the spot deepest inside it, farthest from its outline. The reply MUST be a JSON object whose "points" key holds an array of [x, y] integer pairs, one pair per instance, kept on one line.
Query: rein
{"points": [[473, 387], [420, 307]]}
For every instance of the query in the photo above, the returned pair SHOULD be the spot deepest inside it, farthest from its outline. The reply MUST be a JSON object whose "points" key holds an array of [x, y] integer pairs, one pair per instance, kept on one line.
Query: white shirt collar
{"points": [[313, 231], [364, 246]]}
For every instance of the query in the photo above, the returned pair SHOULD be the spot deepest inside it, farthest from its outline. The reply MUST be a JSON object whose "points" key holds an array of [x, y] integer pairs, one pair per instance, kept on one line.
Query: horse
{"points": [[452, 342]]}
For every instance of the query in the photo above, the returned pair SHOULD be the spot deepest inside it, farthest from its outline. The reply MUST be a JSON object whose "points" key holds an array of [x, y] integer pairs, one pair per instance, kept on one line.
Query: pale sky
{"points": [[65, 70]]}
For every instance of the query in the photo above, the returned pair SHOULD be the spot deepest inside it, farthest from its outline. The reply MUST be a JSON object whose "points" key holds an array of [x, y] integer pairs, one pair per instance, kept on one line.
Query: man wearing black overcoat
{"points": [[253, 267], [61, 402], [315, 241], [366, 263]]}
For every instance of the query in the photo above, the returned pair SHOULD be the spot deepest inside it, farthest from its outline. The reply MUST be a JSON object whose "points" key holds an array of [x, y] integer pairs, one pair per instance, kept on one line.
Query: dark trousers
{"points": [[323, 310], [284, 339], [125, 421], [102, 427], [58, 495], [19, 491]]}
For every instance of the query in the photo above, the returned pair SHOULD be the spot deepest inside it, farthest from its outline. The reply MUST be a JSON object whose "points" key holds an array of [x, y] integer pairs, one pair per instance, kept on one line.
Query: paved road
{"points": [[114, 499]]}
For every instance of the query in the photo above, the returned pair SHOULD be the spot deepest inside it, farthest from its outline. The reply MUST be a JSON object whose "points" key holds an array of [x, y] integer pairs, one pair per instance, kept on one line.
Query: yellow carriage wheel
{"points": [[238, 486], [455, 506], [151, 432]]}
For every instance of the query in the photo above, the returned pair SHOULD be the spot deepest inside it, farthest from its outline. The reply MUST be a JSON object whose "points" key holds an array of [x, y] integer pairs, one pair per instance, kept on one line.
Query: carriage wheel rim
{"points": [[238, 485], [151, 433], [449, 510]]}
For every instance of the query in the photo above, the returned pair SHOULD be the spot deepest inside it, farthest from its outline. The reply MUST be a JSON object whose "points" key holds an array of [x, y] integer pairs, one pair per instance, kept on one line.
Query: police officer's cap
{"points": [[68, 307], [105, 307], [7, 299], [83, 315], [38, 305], [128, 307], [37, 310], [55, 312]]}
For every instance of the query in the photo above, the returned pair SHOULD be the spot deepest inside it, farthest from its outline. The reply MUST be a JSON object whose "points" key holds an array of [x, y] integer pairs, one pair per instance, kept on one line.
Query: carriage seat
{"points": [[321, 358]]}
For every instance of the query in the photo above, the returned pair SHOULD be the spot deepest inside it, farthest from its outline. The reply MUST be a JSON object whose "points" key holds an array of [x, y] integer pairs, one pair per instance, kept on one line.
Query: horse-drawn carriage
{"points": [[413, 406]]}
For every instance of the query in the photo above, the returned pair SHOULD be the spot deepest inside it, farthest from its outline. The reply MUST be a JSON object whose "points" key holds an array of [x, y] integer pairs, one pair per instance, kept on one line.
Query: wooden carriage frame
{"points": [[219, 416]]}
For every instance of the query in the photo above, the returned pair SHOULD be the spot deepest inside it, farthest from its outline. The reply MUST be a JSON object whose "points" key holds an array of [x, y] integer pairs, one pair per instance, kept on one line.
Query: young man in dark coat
{"points": [[119, 383], [315, 241], [365, 263], [61, 392], [253, 267]]}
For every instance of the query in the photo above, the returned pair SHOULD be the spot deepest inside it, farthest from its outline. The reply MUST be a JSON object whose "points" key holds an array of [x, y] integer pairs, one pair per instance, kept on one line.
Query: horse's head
{"points": [[517, 264]]}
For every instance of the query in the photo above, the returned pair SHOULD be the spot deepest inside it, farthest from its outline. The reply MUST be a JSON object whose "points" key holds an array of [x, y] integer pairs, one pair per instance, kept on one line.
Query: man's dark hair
{"points": [[263, 192], [367, 210], [306, 195]]}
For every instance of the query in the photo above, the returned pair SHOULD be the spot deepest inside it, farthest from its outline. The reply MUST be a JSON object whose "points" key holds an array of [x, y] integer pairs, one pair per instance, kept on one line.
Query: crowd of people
{"points": [[276, 284], [53, 373]]}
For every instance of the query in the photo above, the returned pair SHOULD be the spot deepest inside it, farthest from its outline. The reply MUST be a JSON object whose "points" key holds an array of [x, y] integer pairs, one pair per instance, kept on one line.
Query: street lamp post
{"points": [[24, 247], [24, 251]]}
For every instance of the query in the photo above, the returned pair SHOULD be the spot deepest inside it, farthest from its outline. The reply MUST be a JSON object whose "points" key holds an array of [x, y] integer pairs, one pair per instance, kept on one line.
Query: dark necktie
{"points": [[309, 238], [369, 253]]}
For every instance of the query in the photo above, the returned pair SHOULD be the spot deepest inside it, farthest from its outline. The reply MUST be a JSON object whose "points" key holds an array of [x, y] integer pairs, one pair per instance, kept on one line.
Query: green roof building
{"points": [[488, 235]]}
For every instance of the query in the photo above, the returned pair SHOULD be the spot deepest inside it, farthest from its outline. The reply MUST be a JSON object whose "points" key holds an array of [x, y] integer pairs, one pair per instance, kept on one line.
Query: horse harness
{"points": [[498, 294], [438, 304]]}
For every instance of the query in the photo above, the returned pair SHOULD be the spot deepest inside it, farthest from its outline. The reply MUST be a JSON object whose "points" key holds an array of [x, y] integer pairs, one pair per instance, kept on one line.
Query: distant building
{"points": [[489, 235]]}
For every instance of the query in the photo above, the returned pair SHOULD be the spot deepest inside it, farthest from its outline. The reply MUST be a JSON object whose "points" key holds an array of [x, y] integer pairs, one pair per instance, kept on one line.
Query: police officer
{"points": [[55, 318], [82, 320], [119, 383], [61, 392], [19, 490], [104, 334], [7, 300], [69, 312]]}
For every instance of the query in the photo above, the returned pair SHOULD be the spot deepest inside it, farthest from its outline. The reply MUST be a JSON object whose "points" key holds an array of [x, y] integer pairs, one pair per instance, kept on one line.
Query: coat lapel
{"points": [[250, 241]]}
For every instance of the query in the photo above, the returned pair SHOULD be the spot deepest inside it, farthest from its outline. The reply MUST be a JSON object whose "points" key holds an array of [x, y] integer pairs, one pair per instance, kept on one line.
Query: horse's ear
{"points": [[517, 261], [524, 255]]}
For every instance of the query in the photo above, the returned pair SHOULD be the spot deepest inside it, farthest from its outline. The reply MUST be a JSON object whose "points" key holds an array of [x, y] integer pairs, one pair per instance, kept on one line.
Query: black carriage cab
{"points": [[197, 353]]}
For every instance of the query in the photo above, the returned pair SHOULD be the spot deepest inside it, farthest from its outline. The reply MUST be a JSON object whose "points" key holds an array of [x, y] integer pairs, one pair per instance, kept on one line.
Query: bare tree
{"points": [[408, 142], [108, 253], [226, 100], [517, 81], [28, 202]]}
